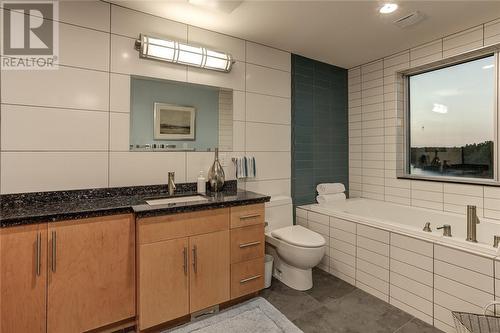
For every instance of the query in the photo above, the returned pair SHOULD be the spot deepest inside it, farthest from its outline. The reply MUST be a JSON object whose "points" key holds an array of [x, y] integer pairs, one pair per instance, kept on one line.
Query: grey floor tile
{"points": [[317, 321], [292, 303], [327, 286], [418, 326], [359, 312], [334, 306]]}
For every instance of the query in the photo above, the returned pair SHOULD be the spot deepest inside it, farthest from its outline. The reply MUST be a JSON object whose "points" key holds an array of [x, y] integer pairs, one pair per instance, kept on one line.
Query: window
{"points": [[452, 121]]}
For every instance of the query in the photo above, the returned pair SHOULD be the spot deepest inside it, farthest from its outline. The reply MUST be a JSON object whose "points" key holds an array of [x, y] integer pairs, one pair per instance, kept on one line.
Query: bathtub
{"points": [[380, 247], [410, 221]]}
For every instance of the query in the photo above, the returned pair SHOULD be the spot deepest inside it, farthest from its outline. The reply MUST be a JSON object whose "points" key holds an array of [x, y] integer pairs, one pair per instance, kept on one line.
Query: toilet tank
{"points": [[279, 213]]}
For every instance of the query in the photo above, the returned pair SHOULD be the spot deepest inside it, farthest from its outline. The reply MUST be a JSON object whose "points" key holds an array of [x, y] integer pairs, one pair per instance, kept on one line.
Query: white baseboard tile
{"points": [[412, 286], [343, 276], [342, 268], [444, 327], [411, 310], [372, 282], [372, 291], [423, 305]]}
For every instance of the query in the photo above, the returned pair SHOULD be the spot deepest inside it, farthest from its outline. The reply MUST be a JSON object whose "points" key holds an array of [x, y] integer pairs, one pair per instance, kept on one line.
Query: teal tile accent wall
{"points": [[320, 149]]}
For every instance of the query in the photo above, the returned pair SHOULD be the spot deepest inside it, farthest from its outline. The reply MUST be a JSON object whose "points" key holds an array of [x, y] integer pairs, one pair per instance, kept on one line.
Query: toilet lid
{"points": [[299, 236]]}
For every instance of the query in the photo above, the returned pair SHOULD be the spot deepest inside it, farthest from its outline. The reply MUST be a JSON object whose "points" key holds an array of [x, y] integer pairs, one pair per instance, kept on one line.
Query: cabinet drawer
{"points": [[247, 277], [160, 228], [247, 243], [243, 216]]}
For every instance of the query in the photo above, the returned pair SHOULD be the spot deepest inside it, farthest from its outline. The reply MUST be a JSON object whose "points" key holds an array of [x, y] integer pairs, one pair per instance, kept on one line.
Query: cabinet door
{"points": [[209, 280], [163, 282], [91, 273], [23, 279]]}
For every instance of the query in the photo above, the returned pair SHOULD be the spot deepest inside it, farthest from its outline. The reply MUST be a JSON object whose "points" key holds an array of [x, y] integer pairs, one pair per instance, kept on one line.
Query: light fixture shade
{"points": [[181, 53]]}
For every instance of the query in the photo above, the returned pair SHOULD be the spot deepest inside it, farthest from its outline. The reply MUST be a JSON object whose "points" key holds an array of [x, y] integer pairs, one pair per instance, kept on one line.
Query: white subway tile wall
{"points": [[497, 280], [424, 279], [81, 111], [375, 114], [492, 32], [225, 120]]}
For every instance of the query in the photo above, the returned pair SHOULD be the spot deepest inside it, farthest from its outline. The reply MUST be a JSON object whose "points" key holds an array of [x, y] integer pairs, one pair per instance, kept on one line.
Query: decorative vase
{"points": [[216, 177]]}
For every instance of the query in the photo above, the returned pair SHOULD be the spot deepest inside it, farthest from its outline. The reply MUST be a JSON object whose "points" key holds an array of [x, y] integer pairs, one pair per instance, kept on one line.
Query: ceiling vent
{"points": [[409, 20]]}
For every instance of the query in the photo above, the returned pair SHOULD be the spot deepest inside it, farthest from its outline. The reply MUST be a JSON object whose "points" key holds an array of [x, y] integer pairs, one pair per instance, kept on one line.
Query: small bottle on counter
{"points": [[202, 183]]}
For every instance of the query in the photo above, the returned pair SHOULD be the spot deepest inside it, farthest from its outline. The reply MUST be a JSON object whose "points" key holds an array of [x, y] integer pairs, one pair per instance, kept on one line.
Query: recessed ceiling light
{"points": [[388, 8], [220, 5]]}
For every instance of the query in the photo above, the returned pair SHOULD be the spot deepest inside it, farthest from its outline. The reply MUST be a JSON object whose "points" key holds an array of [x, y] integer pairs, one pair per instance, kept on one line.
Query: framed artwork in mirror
{"points": [[174, 122]]}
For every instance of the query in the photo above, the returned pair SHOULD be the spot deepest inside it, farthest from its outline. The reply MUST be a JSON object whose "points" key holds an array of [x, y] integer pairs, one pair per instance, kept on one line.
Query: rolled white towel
{"points": [[325, 198], [330, 188]]}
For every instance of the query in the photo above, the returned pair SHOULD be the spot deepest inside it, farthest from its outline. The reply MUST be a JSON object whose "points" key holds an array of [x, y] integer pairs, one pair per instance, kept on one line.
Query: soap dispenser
{"points": [[202, 183]]}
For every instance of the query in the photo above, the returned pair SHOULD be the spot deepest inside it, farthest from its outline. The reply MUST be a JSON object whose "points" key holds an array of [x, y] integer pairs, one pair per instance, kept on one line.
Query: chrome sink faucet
{"points": [[171, 183], [472, 220]]}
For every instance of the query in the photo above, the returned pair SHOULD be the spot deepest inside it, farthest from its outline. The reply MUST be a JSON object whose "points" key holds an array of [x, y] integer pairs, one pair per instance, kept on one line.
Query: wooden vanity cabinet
{"points": [[23, 278], [91, 280], [247, 249], [67, 277], [183, 264], [163, 277], [188, 262], [209, 282]]}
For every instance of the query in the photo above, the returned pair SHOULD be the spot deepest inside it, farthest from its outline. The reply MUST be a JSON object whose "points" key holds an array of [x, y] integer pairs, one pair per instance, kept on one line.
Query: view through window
{"points": [[452, 120]]}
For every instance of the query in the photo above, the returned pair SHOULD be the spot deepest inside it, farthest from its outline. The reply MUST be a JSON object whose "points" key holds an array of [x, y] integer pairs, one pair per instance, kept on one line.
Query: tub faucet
{"points": [[446, 230], [496, 240], [472, 220], [171, 183]]}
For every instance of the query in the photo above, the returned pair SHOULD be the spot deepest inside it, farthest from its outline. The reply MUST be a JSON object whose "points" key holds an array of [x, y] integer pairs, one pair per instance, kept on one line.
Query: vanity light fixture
{"points": [[184, 54], [388, 8]]}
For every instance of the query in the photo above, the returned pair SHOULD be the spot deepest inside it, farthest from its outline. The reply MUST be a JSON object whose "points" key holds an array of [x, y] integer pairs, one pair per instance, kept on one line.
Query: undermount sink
{"points": [[166, 201]]}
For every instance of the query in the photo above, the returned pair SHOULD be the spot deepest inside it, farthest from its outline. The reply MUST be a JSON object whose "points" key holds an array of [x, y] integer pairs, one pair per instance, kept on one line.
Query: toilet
{"points": [[296, 250]]}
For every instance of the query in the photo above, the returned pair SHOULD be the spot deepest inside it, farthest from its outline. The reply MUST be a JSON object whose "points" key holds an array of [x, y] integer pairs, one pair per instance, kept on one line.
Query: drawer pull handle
{"points": [[250, 279], [251, 216], [249, 244], [195, 259], [54, 251], [38, 262], [184, 253]]}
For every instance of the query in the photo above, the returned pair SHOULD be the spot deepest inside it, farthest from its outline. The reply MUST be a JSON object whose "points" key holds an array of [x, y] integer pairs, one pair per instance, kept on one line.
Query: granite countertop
{"points": [[29, 208]]}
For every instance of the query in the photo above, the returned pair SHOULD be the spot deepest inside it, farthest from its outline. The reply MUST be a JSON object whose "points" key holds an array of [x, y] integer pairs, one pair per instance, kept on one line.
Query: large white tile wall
{"points": [[424, 279], [69, 128], [375, 112]]}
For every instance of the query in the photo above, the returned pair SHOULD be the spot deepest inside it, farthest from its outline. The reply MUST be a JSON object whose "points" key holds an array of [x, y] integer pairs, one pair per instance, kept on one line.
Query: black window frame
{"points": [[403, 171]]}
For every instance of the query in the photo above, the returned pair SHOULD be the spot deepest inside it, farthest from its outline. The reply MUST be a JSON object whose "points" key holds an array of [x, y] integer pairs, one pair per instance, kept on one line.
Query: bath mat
{"points": [[254, 316]]}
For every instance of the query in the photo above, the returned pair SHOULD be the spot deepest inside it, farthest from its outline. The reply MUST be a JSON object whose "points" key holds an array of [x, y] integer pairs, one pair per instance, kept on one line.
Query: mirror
{"points": [[177, 116]]}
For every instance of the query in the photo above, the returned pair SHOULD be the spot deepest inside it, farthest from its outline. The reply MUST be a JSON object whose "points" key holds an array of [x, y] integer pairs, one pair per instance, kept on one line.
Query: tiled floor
{"points": [[334, 306]]}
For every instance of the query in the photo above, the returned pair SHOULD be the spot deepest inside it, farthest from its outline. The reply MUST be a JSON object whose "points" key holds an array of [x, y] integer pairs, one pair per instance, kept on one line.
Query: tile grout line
{"points": [[356, 255], [409, 321], [244, 181], [109, 101], [433, 284], [389, 265]]}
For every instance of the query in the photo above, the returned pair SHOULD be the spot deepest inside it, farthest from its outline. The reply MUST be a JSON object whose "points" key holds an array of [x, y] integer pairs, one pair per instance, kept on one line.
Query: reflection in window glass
{"points": [[452, 120]]}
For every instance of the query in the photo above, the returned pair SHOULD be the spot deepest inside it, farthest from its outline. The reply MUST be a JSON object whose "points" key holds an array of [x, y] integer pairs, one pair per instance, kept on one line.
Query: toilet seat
{"points": [[299, 236]]}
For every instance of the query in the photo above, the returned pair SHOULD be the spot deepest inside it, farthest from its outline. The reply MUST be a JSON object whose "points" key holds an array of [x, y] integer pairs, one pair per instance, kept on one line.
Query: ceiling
{"points": [[342, 33]]}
